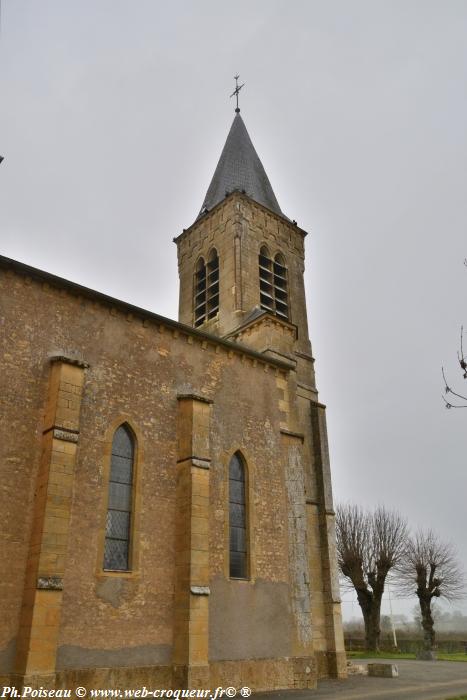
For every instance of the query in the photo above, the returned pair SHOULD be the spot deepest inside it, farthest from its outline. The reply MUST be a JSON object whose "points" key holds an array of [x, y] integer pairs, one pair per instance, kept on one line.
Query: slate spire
{"points": [[239, 168]]}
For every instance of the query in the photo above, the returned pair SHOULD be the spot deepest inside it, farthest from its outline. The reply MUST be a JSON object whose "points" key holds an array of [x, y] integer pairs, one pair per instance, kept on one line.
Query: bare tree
{"points": [[369, 545], [429, 569], [447, 389]]}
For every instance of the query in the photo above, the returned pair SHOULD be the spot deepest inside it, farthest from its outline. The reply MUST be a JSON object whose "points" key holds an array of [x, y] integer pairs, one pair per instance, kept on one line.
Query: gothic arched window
{"points": [[273, 284], [238, 560], [120, 502], [207, 288]]}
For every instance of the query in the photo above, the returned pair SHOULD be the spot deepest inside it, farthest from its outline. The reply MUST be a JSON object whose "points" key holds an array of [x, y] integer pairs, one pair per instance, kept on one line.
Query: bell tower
{"points": [[241, 267], [241, 263]]}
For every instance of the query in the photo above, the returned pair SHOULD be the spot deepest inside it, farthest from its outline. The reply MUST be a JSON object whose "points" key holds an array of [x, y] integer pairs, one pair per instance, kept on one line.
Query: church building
{"points": [[165, 490]]}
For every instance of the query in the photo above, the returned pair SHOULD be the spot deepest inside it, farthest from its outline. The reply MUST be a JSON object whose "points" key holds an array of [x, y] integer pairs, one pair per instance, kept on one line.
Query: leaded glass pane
{"points": [[237, 539], [116, 555], [237, 491], [236, 468], [118, 524], [122, 444], [121, 469], [119, 496], [237, 514], [238, 565]]}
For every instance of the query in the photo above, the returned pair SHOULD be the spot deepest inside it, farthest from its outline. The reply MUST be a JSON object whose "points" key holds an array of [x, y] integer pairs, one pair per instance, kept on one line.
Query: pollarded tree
{"points": [[369, 545], [429, 569]]}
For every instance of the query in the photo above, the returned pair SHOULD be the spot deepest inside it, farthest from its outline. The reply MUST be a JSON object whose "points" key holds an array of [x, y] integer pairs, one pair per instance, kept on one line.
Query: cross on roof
{"points": [[237, 90]]}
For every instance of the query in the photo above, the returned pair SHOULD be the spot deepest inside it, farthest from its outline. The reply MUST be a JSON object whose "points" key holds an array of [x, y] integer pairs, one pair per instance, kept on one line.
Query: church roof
{"points": [[239, 168]]}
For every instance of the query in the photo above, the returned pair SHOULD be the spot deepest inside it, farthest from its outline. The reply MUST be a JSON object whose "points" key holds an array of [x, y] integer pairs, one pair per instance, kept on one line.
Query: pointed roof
{"points": [[239, 168]]}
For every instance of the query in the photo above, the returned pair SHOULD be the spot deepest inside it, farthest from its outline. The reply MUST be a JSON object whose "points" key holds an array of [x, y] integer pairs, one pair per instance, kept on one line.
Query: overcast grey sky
{"points": [[113, 115]]}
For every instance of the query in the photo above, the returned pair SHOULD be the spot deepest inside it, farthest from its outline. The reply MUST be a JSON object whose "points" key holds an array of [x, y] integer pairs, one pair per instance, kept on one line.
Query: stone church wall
{"points": [[135, 366]]}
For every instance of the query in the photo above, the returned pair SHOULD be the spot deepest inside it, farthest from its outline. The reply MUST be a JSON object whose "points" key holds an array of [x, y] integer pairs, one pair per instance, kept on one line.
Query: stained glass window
{"points": [[237, 519], [119, 508]]}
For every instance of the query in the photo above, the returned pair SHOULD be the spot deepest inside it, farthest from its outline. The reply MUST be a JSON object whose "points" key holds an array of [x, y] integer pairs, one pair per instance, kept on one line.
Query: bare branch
{"points": [[450, 405], [462, 359], [463, 364], [448, 390], [430, 567]]}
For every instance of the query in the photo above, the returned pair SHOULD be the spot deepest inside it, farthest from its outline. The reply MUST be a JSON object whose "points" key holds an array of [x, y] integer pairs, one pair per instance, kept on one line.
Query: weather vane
{"points": [[236, 91]]}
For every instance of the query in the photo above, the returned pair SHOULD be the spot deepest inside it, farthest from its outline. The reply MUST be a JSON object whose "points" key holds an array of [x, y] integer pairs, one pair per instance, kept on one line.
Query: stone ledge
{"points": [[50, 583], [66, 435], [200, 590], [293, 434], [196, 461]]}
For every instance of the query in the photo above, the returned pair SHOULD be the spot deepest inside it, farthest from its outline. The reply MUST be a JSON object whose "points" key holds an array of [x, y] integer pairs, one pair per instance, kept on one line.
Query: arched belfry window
{"points": [[280, 287], [120, 502], [200, 292], [237, 518], [213, 284], [207, 288], [273, 284]]}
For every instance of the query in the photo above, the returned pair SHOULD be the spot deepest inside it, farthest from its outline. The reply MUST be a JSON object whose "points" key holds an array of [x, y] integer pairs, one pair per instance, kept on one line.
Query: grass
{"points": [[378, 655], [452, 657], [396, 655]]}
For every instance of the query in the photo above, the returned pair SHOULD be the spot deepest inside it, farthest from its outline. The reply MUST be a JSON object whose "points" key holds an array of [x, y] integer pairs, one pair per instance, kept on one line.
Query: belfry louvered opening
{"points": [[273, 284], [213, 285], [207, 288], [200, 292]]}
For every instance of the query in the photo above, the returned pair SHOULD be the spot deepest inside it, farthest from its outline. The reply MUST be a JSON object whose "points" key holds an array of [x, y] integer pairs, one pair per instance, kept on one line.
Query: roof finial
{"points": [[236, 91]]}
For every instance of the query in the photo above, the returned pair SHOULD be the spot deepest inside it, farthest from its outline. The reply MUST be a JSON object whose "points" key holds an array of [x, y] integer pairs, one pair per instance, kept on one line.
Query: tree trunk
{"points": [[427, 623], [371, 611]]}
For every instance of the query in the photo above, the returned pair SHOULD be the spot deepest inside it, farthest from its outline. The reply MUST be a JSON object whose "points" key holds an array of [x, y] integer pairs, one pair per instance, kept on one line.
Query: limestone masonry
{"points": [[167, 515]]}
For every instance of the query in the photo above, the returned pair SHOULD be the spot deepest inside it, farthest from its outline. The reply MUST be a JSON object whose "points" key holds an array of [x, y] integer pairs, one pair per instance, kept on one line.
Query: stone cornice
{"points": [[241, 195]]}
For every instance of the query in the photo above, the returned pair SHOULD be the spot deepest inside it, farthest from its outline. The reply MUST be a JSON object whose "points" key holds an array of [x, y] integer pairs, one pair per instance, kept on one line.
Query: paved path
{"points": [[418, 680]]}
